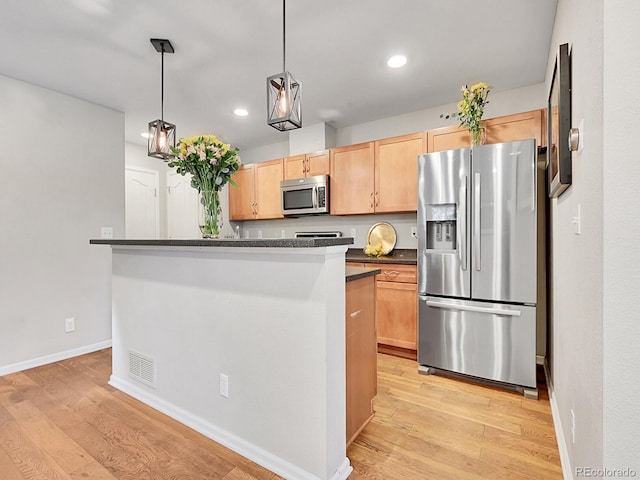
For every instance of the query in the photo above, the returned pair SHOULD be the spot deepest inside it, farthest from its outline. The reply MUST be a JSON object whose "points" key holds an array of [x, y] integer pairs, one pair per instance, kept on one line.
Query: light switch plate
{"points": [[577, 220]]}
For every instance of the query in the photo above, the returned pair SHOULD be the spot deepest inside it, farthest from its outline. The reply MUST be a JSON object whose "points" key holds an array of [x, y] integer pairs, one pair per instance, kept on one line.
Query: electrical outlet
{"points": [[259, 233], [573, 426], [106, 232], [224, 385], [353, 235], [283, 234], [69, 324], [246, 234], [414, 232]]}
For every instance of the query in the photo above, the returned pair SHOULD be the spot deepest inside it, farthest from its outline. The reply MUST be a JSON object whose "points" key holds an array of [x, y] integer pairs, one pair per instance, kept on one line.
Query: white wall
{"points": [[621, 234], [575, 357], [594, 321], [62, 164], [265, 152]]}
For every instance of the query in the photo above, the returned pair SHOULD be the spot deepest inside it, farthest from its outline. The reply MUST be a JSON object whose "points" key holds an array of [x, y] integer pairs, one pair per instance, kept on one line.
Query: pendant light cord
{"points": [[162, 84], [284, 37]]}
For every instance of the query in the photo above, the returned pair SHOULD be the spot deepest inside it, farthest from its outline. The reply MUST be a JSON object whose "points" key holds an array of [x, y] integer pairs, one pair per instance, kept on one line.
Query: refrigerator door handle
{"points": [[473, 308], [462, 224], [476, 223]]}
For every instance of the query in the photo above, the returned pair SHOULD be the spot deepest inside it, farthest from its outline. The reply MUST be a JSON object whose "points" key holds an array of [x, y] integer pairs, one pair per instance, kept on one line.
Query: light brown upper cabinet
{"points": [[258, 192], [352, 184], [307, 165], [242, 198], [509, 128], [396, 172], [376, 177]]}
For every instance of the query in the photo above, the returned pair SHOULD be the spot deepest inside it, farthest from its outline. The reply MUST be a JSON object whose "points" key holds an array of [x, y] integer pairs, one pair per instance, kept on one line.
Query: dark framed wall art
{"points": [[559, 124]]}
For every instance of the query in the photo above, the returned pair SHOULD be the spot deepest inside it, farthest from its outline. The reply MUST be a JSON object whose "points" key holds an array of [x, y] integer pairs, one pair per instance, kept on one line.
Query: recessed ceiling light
{"points": [[145, 134], [241, 112], [397, 61]]}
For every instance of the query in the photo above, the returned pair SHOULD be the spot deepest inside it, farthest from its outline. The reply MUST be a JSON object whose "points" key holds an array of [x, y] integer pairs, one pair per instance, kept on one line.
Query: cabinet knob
{"points": [[377, 198], [371, 200]]}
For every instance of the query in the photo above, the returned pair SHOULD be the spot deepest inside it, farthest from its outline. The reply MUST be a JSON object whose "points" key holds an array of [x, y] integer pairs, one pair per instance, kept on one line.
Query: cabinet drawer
{"points": [[356, 264], [394, 272]]}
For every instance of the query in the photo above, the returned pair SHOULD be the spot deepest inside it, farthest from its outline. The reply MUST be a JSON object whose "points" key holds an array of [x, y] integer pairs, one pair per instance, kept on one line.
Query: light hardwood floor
{"points": [[63, 421], [431, 427]]}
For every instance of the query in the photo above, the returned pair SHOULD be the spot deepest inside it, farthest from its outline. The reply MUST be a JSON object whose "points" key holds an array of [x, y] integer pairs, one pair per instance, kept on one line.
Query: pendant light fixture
{"points": [[162, 135], [283, 93]]}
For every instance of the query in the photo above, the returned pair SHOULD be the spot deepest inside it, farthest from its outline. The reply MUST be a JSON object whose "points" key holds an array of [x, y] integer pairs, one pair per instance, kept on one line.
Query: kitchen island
{"points": [[242, 340]]}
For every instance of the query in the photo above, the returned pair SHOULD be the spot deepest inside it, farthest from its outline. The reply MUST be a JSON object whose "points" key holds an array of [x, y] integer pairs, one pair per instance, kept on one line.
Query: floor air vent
{"points": [[142, 369]]}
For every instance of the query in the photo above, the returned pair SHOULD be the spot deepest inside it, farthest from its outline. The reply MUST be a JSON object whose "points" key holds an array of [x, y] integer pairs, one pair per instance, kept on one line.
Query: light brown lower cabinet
{"points": [[361, 361], [396, 308], [397, 314]]}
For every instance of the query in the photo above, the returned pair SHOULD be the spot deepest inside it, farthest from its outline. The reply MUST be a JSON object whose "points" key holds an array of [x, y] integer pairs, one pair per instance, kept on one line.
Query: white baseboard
{"points": [[343, 471], [54, 357], [565, 461], [239, 445]]}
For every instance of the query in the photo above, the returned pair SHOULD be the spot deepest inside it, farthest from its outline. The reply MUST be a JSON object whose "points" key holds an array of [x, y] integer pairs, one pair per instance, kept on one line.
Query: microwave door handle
{"points": [[314, 196]]}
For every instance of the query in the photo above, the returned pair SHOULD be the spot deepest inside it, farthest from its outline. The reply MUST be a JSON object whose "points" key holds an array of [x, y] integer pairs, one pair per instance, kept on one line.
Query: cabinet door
{"points": [[242, 197], [361, 357], [295, 167], [268, 177], [318, 163], [509, 128], [397, 314], [396, 172], [512, 128], [448, 138], [352, 185]]}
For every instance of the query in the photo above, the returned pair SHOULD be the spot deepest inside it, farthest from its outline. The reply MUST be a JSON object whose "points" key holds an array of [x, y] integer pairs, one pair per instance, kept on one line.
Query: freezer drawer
{"points": [[486, 340]]}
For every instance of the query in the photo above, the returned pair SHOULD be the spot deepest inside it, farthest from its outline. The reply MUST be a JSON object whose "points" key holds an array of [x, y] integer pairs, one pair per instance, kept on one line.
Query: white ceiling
{"points": [[99, 50]]}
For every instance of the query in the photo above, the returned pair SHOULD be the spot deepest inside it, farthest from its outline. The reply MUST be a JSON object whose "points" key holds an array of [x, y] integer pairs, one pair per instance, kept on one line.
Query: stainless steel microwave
{"points": [[305, 196]]}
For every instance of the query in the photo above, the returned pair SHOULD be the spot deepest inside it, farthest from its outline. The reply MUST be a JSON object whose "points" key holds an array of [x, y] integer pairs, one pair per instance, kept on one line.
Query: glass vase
{"points": [[477, 137], [211, 215]]}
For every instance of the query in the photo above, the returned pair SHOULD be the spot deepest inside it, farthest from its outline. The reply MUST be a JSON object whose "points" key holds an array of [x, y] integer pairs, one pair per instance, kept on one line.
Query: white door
{"points": [[182, 207], [142, 207]]}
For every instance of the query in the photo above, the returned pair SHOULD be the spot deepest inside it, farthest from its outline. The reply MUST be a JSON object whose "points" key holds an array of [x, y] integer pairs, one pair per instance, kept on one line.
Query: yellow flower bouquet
{"points": [[211, 164], [471, 109]]}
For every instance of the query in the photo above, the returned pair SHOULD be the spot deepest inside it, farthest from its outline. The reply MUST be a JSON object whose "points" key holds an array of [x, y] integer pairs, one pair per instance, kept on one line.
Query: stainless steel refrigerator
{"points": [[477, 262]]}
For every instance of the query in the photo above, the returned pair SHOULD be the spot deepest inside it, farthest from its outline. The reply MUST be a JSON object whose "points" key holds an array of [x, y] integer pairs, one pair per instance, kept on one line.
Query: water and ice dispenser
{"points": [[441, 227]]}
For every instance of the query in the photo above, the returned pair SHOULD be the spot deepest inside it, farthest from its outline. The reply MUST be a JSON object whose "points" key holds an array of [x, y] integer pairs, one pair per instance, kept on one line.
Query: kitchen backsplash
{"points": [[361, 223]]}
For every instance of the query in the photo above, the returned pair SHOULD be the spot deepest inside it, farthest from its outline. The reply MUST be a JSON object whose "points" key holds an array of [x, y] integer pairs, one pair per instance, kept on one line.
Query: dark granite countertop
{"points": [[229, 242], [408, 256], [356, 273]]}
